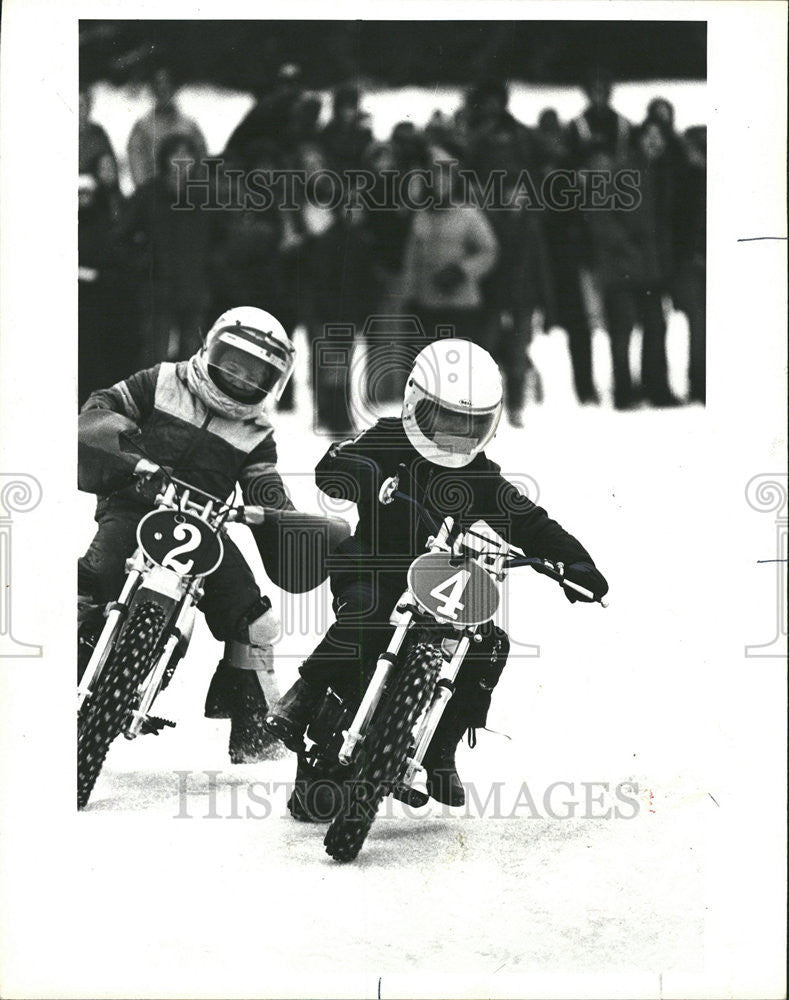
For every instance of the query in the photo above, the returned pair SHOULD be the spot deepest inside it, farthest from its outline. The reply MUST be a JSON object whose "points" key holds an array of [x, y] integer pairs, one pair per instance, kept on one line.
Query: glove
{"points": [[151, 479], [449, 277], [585, 575]]}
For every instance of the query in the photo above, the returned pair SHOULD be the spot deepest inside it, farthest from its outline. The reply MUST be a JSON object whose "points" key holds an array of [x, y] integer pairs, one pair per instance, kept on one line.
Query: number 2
{"points": [[449, 592], [193, 538]]}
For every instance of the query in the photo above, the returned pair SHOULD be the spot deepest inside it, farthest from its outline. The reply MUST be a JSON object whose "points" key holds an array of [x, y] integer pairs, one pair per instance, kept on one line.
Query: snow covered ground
{"points": [[496, 889]]}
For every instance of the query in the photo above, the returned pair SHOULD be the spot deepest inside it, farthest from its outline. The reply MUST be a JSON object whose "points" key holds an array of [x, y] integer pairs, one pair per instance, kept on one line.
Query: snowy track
{"points": [[506, 885]]}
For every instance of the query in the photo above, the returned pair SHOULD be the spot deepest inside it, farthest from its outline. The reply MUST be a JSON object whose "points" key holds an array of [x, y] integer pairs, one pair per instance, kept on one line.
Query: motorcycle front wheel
{"points": [[384, 752], [106, 712]]}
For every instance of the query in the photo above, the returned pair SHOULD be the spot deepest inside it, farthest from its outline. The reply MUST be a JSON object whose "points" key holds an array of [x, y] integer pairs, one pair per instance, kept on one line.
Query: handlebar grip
{"points": [[251, 515], [577, 588]]}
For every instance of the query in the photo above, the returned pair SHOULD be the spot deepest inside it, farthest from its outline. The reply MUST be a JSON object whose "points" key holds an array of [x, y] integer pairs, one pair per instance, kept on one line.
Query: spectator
{"points": [[162, 122], [270, 119], [107, 346], [690, 249], [566, 242], [449, 250], [599, 127], [495, 139], [171, 248], [661, 112], [341, 293], [248, 258], [96, 156], [632, 268], [512, 290], [388, 231], [346, 138]]}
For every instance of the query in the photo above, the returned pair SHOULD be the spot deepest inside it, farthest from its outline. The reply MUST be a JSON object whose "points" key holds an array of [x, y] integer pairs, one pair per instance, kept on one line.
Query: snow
{"points": [[471, 894]]}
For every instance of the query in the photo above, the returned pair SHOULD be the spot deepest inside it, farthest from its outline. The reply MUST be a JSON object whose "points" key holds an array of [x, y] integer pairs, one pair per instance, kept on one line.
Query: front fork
{"points": [[414, 774], [372, 696], [107, 637], [179, 631]]}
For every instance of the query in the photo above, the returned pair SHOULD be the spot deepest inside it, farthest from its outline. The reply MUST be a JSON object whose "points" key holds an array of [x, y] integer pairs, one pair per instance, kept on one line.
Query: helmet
{"points": [[453, 402], [248, 355]]}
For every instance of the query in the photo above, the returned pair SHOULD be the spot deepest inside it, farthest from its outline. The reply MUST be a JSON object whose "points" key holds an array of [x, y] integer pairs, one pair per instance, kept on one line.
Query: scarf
{"points": [[200, 384]]}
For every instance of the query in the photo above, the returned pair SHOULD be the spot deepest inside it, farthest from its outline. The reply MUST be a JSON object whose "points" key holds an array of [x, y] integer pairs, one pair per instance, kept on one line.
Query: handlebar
{"points": [[390, 491], [556, 572], [251, 514]]}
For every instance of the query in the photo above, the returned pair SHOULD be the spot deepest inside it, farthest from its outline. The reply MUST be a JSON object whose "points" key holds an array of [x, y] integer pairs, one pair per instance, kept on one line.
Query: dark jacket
{"points": [[201, 447], [388, 538], [634, 247], [599, 127], [170, 246], [345, 144]]}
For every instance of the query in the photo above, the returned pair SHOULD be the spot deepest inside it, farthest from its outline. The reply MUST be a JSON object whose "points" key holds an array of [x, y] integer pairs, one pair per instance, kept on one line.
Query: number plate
{"points": [[180, 542], [462, 594]]}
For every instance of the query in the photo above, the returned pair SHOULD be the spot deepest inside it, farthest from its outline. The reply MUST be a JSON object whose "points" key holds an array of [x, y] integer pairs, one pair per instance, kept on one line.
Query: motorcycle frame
{"points": [[386, 662], [179, 593]]}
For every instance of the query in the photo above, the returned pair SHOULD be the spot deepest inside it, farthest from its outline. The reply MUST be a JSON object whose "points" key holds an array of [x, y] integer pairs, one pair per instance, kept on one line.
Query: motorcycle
{"points": [[359, 752], [124, 663], [147, 631]]}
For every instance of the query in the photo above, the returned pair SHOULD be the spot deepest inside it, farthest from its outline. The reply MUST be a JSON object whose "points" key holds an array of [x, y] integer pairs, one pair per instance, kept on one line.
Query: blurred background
{"points": [[603, 308]]}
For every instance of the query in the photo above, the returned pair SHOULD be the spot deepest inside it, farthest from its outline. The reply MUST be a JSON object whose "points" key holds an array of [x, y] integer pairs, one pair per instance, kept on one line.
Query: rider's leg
{"points": [[340, 659], [243, 685], [467, 710], [101, 572]]}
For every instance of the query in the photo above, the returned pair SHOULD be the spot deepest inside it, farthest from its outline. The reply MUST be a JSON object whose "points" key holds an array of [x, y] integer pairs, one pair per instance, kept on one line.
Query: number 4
{"points": [[449, 591]]}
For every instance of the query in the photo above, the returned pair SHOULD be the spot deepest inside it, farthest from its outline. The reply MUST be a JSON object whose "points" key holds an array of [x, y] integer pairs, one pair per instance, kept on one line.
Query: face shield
{"points": [[458, 434], [248, 365]]}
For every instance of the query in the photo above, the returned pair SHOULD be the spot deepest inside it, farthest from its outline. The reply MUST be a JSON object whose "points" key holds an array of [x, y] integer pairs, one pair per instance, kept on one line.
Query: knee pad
{"points": [[265, 629], [260, 626], [251, 647]]}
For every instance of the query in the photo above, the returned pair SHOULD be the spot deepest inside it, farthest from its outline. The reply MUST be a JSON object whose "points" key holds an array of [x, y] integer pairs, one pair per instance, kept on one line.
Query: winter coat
{"points": [[602, 127], [201, 447], [388, 538], [440, 237], [170, 247], [148, 135], [345, 144], [634, 247], [521, 276]]}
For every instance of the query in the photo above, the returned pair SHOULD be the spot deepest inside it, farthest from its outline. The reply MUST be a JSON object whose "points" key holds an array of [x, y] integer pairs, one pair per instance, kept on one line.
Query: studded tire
{"points": [[107, 711], [384, 753]]}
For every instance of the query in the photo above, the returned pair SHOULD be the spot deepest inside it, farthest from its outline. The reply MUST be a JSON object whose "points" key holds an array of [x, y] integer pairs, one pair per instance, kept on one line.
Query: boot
{"points": [[221, 692], [293, 713], [249, 741], [317, 795], [443, 781]]}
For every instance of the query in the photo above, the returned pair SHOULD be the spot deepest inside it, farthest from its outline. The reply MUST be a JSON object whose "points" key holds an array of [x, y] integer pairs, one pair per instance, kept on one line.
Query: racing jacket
{"points": [[388, 538], [178, 430]]}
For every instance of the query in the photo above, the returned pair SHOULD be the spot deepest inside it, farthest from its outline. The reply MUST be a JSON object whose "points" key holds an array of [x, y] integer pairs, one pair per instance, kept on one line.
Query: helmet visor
{"points": [[248, 372], [457, 432]]}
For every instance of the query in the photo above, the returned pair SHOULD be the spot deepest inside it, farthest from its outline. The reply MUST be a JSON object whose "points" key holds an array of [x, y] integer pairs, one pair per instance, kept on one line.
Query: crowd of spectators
{"points": [[153, 275]]}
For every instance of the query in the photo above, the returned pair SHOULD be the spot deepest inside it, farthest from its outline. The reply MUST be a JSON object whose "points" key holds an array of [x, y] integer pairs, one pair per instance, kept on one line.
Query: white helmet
{"points": [[248, 355], [453, 402]]}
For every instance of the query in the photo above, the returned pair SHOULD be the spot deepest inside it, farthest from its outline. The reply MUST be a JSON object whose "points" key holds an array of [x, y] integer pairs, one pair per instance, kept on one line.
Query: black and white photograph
{"points": [[420, 563]]}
